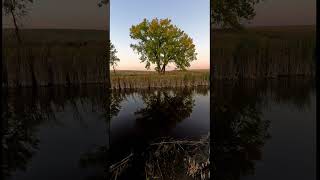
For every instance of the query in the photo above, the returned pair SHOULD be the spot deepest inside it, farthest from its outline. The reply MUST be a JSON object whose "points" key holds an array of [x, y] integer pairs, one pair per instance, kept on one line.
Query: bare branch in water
{"points": [[186, 157]]}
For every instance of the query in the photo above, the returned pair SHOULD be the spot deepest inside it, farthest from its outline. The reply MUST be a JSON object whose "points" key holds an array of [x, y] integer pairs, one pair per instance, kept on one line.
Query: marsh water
{"points": [[64, 133], [264, 129], [261, 129]]}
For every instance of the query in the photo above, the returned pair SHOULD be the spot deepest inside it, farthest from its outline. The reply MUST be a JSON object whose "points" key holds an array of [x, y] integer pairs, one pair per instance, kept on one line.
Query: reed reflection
{"points": [[26, 111]]}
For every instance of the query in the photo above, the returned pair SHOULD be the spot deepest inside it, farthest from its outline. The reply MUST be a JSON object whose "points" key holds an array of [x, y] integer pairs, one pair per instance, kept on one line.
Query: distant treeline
{"points": [[265, 52], [55, 57]]}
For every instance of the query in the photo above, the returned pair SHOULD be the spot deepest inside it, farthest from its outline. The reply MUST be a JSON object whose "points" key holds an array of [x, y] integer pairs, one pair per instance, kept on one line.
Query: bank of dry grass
{"points": [[150, 79]]}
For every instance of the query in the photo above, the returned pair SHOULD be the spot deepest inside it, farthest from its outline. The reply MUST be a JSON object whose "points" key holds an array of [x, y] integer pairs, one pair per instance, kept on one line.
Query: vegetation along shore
{"points": [[263, 52], [124, 79]]}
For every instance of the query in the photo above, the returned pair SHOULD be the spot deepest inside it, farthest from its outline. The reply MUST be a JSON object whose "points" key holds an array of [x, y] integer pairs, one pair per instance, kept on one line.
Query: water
{"points": [[261, 129], [264, 129], [60, 133]]}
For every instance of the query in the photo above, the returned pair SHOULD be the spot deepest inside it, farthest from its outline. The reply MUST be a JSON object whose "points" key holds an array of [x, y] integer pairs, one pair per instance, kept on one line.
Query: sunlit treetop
{"points": [[160, 42]]}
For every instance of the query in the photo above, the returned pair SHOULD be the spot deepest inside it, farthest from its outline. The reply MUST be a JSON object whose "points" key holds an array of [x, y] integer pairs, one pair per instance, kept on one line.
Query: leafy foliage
{"points": [[17, 9], [113, 58], [161, 43], [17, 6], [230, 13], [102, 2]]}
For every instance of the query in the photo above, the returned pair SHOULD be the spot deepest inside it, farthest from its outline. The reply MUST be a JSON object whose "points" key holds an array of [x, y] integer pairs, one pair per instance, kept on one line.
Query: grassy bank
{"points": [[263, 52], [150, 79]]}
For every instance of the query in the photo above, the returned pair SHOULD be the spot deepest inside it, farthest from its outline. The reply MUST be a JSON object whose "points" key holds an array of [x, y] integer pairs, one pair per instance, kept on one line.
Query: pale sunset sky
{"points": [[189, 15]]}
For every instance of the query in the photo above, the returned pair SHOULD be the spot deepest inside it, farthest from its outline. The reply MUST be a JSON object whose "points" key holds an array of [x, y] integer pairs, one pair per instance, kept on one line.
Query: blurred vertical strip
{"points": [[56, 49], [317, 82], [109, 41], [211, 92]]}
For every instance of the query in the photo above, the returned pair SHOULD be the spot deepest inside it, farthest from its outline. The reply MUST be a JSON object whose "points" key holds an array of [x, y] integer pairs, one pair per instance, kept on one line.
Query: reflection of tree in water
{"points": [[115, 99], [24, 110], [238, 142], [164, 109], [239, 130], [19, 141]]}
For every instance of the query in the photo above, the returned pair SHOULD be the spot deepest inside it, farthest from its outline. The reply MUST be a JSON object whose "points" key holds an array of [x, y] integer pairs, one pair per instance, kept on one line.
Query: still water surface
{"points": [[60, 133], [261, 129], [264, 129]]}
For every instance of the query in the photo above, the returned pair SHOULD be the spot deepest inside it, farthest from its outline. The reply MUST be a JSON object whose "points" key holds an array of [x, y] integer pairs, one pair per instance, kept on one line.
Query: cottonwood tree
{"points": [[231, 13], [16, 9], [113, 57], [161, 43]]}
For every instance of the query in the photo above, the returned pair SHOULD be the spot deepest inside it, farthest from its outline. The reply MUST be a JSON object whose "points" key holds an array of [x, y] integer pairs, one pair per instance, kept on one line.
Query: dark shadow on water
{"points": [[240, 128], [25, 112], [76, 124], [162, 110]]}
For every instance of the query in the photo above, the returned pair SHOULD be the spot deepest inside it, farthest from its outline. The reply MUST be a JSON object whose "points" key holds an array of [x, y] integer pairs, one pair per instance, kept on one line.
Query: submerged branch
{"points": [[120, 163], [187, 158]]}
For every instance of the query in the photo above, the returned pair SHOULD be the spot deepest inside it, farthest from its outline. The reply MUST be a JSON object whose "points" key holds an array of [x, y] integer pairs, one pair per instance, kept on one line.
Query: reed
{"points": [[147, 80], [54, 57], [263, 52]]}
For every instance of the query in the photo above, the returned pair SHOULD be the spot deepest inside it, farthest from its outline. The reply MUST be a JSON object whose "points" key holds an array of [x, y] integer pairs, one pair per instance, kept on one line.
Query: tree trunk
{"points": [[16, 27], [114, 70], [19, 40], [163, 70], [158, 67]]}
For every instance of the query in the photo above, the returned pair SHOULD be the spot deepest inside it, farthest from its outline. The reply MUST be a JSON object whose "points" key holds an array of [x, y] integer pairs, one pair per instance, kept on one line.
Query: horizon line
{"points": [[156, 71], [246, 26]]}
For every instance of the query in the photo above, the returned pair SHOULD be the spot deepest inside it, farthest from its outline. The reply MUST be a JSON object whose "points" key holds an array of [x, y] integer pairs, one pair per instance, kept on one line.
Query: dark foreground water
{"points": [[260, 129], [61, 133], [264, 129]]}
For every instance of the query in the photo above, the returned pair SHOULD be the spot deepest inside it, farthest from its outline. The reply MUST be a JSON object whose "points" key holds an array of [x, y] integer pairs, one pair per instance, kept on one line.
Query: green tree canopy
{"points": [[113, 57], [161, 43], [230, 13]]}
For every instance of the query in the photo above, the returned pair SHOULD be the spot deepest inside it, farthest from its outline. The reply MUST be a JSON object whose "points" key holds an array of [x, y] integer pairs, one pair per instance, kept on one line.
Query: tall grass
{"points": [[144, 79], [55, 57], [263, 52]]}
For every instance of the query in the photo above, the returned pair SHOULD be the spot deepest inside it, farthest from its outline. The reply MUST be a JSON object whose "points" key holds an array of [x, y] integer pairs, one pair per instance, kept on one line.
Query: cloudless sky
{"points": [[285, 12], [63, 14], [192, 16]]}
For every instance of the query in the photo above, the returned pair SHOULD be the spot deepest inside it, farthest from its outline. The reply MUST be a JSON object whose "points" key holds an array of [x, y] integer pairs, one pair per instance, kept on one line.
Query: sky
{"points": [[192, 16], [285, 12], [63, 14], [189, 15]]}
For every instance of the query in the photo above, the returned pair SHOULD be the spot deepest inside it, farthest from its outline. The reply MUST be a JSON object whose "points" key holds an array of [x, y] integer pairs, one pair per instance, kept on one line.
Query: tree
{"points": [[161, 43], [113, 58], [230, 13], [17, 9], [102, 2]]}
